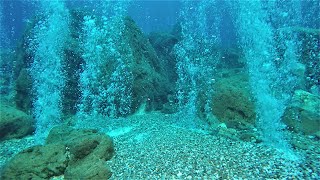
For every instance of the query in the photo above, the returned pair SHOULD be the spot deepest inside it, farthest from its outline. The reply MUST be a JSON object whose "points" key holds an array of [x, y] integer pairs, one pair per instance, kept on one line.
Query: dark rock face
{"points": [[14, 123], [73, 61], [24, 59], [68, 152], [163, 44]]}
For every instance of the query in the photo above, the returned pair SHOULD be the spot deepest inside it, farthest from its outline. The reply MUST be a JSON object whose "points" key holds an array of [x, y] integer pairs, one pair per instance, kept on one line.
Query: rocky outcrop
{"points": [[303, 114], [68, 152], [231, 102], [14, 123], [163, 44], [150, 84], [83, 143]]}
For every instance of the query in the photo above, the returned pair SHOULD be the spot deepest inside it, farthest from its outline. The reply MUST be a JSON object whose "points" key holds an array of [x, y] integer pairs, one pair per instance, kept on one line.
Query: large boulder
{"points": [[14, 123], [232, 102], [88, 150], [83, 143], [303, 113], [163, 44], [37, 162], [68, 152]]}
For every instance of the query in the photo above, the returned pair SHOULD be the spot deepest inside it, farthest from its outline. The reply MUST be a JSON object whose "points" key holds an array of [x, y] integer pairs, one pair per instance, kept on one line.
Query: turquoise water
{"points": [[134, 76]]}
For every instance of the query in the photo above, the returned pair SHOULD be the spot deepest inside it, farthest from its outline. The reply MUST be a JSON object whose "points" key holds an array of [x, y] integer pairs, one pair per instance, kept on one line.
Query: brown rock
{"points": [[37, 162]]}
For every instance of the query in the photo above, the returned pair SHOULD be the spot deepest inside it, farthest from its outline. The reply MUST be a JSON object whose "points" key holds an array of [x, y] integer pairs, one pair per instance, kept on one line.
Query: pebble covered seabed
{"points": [[155, 148], [152, 146]]}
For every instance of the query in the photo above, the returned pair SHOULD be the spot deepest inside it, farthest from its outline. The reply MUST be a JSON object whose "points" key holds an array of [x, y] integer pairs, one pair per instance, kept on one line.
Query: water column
{"points": [[47, 45], [2, 30], [285, 17], [195, 62], [256, 40], [311, 44], [2, 66], [106, 80], [210, 55], [119, 91], [6, 57]]}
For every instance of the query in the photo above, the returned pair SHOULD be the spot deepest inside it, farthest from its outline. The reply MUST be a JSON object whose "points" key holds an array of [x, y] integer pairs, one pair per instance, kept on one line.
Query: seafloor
{"points": [[152, 146]]}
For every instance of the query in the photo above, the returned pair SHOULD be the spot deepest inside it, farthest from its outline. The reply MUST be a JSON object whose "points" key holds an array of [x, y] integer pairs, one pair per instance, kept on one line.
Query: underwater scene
{"points": [[211, 89]]}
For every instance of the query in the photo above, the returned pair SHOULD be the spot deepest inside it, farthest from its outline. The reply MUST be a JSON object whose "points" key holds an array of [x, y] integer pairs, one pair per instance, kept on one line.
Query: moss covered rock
{"points": [[303, 114], [89, 150], [68, 152], [14, 123], [231, 102], [82, 142], [151, 83], [37, 162]]}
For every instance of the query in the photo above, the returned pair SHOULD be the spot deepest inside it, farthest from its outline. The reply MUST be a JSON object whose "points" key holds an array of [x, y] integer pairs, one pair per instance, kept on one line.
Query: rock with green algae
{"points": [[303, 113], [37, 162], [151, 84], [14, 123], [88, 149], [24, 58], [232, 103], [68, 152], [82, 142]]}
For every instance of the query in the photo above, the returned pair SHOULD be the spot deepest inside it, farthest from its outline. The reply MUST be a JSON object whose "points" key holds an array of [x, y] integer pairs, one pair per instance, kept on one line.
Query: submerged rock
{"points": [[88, 150], [14, 123], [151, 83], [83, 143], [150, 77], [37, 162], [68, 152], [232, 103], [303, 114]]}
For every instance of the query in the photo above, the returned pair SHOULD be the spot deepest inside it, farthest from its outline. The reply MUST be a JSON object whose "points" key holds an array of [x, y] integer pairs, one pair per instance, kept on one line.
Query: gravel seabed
{"points": [[153, 146]]}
